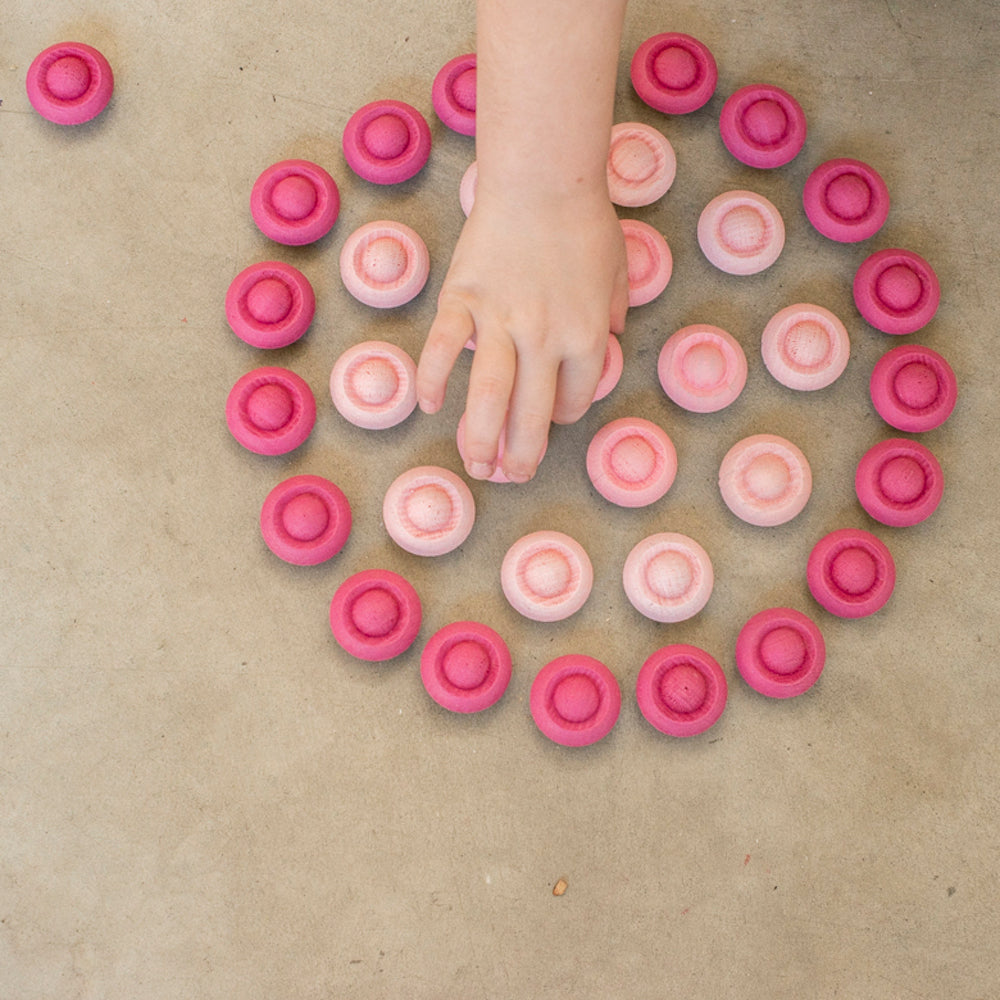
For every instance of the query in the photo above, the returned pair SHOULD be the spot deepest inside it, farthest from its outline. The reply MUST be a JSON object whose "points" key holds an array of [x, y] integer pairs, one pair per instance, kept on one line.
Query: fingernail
{"points": [[480, 470], [426, 405]]}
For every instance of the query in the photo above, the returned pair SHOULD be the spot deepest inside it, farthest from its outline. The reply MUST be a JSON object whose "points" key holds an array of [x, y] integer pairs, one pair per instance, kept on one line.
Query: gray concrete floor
{"points": [[203, 797]]}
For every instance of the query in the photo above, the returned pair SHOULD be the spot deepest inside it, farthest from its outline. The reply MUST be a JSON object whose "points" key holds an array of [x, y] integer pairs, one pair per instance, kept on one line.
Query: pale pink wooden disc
{"points": [[428, 511], [741, 232], [650, 262], [668, 577], [641, 165], [805, 347], [765, 480], [546, 576], [374, 385], [702, 368], [631, 462], [384, 264]]}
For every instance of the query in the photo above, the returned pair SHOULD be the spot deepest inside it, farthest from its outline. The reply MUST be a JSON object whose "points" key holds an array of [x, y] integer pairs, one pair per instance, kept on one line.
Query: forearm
{"points": [[545, 95]]}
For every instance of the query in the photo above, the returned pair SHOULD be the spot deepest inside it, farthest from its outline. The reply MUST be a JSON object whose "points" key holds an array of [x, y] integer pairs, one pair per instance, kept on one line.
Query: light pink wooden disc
{"points": [[384, 264], [374, 385], [631, 462], [765, 480], [668, 577], [805, 347], [641, 165], [546, 576], [650, 262], [702, 368], [428, 511], [741, 232]]}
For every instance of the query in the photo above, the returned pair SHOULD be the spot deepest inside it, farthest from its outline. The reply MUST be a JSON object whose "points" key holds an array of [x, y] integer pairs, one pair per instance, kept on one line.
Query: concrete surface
{"points": [[201, 796]]}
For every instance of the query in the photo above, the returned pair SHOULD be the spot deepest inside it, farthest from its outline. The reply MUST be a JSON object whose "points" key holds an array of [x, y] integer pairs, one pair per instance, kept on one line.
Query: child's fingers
{"points": [[575, 387], [490, 383], [529, 418], [452, 328]]}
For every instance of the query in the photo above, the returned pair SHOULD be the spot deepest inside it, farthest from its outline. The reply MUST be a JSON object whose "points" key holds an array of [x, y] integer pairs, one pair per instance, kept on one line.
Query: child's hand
{"points": [[539, 287]]}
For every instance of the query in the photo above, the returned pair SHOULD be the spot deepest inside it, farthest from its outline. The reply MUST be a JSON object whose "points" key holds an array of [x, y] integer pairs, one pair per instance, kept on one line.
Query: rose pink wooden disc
{"points": [[763, 126], [668, 577], [913, 388], [69, 83], [681, 690], [851, 573], [765, 480], [270, 411], [650, 262], [305, 520], [805, 347], [384, 264], [674, 73], [387, 142], [631, 462], [374, 385], [375, 615], [295, 202], [846, 200], [428, 511], [465, 667], [270, 304], [702, 368], [780, 652], [897, 291], [575, 700], [453, 94], [741, 232], [641, 165], [899, 482], [546, 576]]}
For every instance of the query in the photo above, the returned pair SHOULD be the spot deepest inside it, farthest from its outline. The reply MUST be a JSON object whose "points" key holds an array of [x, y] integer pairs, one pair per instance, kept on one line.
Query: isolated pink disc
{"points": [[270, 411], [674, 73], [780, 652], [897, 291], [668, 577], [387, 142], [702, 368], [575, 700], [741, 232], [913, 388], [453, 94], [546, 576], [384, 264], [465, 667], [611, 372], [763, 126], [374, 385], [428, 511], [305, 520], [631, 462], [650, 262], [641, 165], [270, 304], [295, 202], [375, 615], [846, 200], [69, 83], [681, 690], [805, 347], [899, 482], [851, 573], [765, 480]]}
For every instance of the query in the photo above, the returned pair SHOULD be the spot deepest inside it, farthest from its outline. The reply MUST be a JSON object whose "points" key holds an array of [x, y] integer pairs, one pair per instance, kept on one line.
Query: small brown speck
{"points": [[560, 887]]}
